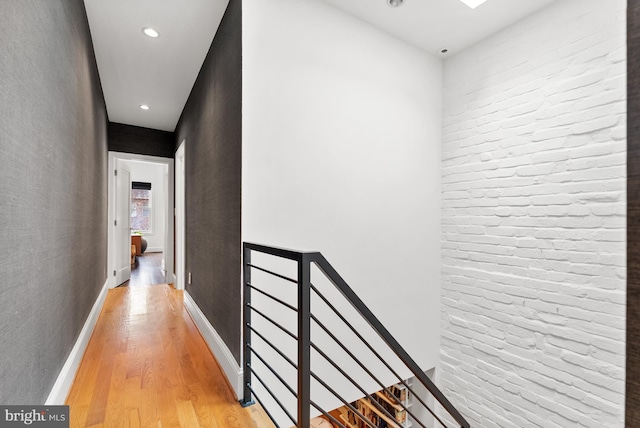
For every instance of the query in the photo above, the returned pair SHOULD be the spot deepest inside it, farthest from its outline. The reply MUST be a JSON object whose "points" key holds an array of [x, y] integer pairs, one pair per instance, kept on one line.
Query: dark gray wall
{"points": [[141, 141], [53, 191], [211, 123]]}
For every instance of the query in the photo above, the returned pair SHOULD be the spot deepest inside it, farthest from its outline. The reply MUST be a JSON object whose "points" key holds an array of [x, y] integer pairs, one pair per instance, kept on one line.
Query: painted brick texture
{"points": [[533, 221]]}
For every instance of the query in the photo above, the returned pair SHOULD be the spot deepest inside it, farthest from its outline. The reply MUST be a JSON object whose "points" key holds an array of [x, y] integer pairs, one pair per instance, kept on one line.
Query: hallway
{"points": [[148, 366]]}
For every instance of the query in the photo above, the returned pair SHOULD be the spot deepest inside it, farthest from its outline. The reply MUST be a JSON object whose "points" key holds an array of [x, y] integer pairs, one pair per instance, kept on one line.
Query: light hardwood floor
{"points": [[146, 270], [147, 365]]}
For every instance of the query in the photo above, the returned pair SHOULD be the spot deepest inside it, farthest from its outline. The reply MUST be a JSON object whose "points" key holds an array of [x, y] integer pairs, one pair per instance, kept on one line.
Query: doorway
{"points": [[160, 232]]}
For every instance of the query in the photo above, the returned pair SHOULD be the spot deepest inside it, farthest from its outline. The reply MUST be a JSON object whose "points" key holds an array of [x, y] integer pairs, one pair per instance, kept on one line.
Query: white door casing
{"points": [[122, 224], [180, 216]]}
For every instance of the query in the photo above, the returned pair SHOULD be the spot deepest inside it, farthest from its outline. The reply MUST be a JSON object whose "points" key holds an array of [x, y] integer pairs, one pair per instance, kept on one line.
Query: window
{"points": [[141, 207]]}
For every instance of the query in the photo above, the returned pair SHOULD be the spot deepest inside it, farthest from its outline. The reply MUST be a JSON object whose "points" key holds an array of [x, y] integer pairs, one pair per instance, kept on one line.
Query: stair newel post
{"points": [[304, 341], [246, 322]]}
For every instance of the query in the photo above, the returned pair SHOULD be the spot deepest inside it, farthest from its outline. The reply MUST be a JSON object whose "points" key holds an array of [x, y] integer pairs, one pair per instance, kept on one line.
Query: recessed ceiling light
{"points": [[473, 3], [144, 107], [150, 32], [395, 3]]}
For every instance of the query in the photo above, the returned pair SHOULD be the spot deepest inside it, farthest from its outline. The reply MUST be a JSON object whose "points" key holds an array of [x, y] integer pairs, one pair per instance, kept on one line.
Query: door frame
{"points": [[121, 212], [180, 211], [114, 157]]}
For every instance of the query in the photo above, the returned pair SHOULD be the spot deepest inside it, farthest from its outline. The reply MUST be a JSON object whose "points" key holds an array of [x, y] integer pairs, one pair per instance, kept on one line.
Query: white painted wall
{"points": [[533, 208], [341, 154], [155, 174]]}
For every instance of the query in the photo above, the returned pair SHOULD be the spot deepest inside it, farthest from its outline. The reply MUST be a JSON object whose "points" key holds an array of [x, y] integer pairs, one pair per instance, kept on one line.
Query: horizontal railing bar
{"points": [[328, 270], [291, 390], [357, 385], [339, 397], [356, 332], [321, 410], [321, 325], [273, 396], [274, 298], [273, 273], [287, 359], [386, 364], [276, 251], [273, 322], [362, 366], [257, 397]]}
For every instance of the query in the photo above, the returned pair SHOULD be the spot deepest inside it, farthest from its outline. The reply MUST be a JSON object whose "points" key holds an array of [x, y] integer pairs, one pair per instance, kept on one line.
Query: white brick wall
{"points": [[533, 218]]}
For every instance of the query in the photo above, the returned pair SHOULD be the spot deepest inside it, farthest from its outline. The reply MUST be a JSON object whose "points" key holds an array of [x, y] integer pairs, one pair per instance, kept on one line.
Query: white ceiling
{"points": [[435, 24], [135, 69]]}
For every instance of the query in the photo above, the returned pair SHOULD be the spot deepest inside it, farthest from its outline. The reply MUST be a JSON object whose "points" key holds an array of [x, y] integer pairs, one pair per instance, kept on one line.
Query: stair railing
{"points": [[302, 391]]}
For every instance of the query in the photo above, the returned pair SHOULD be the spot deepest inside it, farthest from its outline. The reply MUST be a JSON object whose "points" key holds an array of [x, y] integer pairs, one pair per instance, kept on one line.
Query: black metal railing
{"points": [[302, 366]]}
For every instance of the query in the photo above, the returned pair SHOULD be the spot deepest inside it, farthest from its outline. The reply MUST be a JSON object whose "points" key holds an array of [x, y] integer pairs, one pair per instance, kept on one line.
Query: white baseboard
{"points": [[229, 365], [61, 388]]}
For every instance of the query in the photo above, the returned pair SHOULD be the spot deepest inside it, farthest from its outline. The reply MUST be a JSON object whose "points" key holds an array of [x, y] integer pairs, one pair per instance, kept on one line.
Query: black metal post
{"points": [[246, 331], [304, 341]]}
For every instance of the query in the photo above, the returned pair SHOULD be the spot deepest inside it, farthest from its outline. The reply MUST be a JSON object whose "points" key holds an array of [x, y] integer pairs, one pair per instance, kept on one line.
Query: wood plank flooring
{"points": [[147, 270], [147, 365]]}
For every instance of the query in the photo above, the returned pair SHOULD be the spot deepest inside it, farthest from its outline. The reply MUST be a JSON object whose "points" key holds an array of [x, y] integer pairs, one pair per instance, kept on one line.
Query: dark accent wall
{"points": [[141, 141], [632, 406], [211, 123], [53, 191]]}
